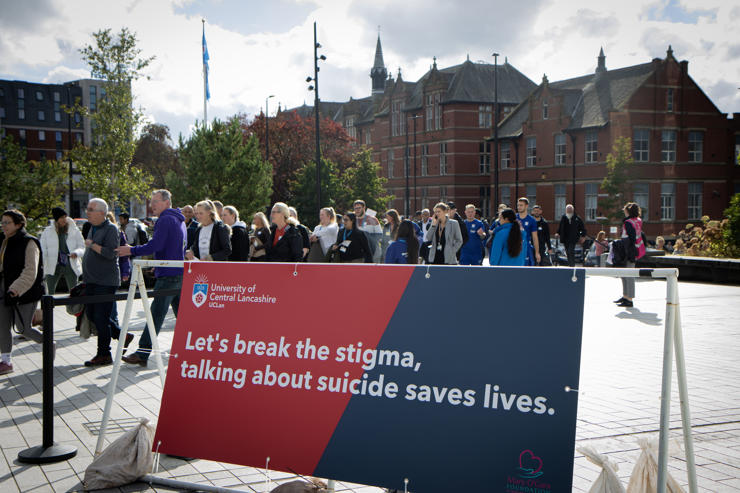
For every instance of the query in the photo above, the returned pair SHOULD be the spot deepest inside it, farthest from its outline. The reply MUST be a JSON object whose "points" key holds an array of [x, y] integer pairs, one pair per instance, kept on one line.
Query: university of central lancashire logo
{"points": [[530, 466], [200, 290]]}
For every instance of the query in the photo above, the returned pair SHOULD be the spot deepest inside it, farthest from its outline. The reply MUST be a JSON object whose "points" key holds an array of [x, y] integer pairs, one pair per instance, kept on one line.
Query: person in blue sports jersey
{"points": [[529, 230], [405, 250], [472, 250]]}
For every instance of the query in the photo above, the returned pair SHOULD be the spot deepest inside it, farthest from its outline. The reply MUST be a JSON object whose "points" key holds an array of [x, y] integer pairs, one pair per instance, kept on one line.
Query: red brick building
{"points": [[553, 139]]}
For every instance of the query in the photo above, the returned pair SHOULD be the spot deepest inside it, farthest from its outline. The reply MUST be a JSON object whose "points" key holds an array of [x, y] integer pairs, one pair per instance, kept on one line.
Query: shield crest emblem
{"points": [[200, 293]]}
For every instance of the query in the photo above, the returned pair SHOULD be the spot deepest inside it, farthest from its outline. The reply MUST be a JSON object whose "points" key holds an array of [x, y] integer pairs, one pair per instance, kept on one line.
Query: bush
{"points": [[712, 238]]}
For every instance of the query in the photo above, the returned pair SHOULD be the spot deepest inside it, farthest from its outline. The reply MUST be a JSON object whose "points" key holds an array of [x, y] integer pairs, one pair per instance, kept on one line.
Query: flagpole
{"points": [[205, 83]]}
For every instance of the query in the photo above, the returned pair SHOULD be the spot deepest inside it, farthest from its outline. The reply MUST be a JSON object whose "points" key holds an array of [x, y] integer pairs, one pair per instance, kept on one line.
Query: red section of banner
{"points": [[209, 393]]}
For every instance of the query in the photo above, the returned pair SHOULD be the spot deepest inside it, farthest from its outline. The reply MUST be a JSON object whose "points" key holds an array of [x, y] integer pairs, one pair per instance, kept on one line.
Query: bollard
{"points": [[48, 451]]}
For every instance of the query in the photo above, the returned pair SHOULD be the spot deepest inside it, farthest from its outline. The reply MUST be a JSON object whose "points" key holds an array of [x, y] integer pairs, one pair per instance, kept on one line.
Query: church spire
{"points": [[378, 73], [601, 67]]}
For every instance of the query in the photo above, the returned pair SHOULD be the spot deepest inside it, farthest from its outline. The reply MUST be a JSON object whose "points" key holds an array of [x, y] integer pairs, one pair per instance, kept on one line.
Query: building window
{"points": [[437, 111], [78, 138], [641, 145], [559, 201], [531, 192], [396, 120], [430, 111], [696, 146], [2, 112], [667, 201], [42, 135], [58, 136], [695, 195], [424, 196], [531, 151], [545, 110], [592, 144], [349, 125], [506, 155], [560, 150], [507, 110], [390, 163], [43, 155], [22, 136], [592, 198], [57, 97], [669, 100], [485, 114], [484, 198], [367, 137], [93, 98], [443, 193], [39, 96], [668, 146], [641, 197], [21, 108], [77, 118], [41, 115], [59, 155], [443, 158], [484, 158], [21, 94], [505, 197], [425, 160]]}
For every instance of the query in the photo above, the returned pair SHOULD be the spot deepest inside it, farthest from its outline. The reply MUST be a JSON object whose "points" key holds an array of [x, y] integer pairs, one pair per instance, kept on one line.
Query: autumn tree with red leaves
{"points": [[292, 146]]}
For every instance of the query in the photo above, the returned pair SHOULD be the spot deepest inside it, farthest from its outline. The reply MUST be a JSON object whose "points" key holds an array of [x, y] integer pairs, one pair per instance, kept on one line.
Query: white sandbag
{"points": [[644, 477], [124, 461], [608, 481], [313, 485]]}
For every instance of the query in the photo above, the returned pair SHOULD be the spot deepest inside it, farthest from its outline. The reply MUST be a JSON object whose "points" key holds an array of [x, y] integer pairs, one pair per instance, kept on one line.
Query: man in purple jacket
{"points": [[167, 243]]}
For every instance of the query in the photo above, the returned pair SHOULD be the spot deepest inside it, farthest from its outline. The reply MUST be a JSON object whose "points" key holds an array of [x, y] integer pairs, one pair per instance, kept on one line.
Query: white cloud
{"points": [[40, 38]]}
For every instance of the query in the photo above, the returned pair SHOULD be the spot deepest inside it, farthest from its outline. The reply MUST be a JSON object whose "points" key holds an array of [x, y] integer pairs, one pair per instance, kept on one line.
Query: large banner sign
{"points": [[453, 377]]}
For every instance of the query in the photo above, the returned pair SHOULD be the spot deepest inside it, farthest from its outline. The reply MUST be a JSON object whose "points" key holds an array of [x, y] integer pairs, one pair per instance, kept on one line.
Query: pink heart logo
{"points": [[527, 460]]}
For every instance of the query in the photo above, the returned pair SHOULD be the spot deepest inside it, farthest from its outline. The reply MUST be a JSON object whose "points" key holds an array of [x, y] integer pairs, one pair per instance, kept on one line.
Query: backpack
{"points": [[141, 236], [618, 253]]}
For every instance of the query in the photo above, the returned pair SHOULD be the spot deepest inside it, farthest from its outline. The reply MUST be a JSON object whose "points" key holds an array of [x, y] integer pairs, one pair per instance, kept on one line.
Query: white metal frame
{"points": [[672, 344]]}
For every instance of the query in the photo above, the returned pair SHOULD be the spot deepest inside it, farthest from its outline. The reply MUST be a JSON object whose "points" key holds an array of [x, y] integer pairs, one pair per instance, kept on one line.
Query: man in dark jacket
{"points": [[191, 224], [452, 214], [543, 232], [167, 243], [570, 232]]}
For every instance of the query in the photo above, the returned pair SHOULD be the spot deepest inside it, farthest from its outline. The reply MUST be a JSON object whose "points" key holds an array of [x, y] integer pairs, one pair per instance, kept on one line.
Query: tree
{"points": [[33, 187], [106, 165], [221, 163], [616, 183], [293, 145], [364, 182], [154, 153], [303, 189]]}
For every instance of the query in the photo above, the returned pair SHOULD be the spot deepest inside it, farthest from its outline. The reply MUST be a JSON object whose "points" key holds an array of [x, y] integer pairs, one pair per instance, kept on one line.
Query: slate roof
{"points": [[327, 108], [587, 99]]}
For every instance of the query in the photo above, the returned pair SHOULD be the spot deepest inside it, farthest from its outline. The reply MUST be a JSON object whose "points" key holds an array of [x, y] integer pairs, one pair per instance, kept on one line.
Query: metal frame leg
{"points": [[665, 395]]}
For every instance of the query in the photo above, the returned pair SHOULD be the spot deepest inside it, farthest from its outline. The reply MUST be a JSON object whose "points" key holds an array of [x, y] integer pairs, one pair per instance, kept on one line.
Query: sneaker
{"points": [[134, 359], [100, 361], [129, 338], [620, 300], [626, 303], [5, 368]]}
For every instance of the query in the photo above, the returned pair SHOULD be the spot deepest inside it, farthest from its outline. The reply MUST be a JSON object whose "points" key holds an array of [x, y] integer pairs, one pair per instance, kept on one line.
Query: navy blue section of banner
{"points": [[487, 409]]}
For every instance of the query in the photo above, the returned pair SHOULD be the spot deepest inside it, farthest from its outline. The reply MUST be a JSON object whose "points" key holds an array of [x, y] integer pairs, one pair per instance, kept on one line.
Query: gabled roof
{"points": [[587, 99], [327, 108]]}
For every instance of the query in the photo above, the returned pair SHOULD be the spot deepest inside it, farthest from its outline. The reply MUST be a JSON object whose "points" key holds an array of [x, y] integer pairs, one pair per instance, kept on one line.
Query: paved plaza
{"points": [[619, 395]]}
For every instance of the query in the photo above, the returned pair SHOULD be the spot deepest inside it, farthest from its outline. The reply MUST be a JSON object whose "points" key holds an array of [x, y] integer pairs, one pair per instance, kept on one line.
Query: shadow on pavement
{"points": [[647, 318]]}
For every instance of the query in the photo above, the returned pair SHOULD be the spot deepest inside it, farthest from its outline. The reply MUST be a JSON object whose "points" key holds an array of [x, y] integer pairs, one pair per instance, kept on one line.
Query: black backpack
{"points": [[619, 253]]}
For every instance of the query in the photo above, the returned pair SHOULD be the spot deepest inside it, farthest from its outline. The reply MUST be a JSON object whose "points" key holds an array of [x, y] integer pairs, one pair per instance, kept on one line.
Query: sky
{"points": [[262, 48]]}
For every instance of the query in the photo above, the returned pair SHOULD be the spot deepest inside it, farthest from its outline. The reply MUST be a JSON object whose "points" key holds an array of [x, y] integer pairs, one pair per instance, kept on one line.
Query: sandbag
{"points": [[644, 477], [124, 461], [608, 481], [299, 486]]}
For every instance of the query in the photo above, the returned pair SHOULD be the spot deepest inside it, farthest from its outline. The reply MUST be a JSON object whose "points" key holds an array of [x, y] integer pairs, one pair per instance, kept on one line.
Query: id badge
{"points": [[439, 247]]}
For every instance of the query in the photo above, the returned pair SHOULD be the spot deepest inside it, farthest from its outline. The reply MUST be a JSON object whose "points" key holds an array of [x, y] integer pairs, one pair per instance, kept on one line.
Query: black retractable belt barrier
{"points": [[49, 451]]}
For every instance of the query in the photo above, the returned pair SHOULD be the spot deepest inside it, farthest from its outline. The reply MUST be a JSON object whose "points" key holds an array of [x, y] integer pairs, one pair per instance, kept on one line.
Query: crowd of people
{"points": [[99, 253]]}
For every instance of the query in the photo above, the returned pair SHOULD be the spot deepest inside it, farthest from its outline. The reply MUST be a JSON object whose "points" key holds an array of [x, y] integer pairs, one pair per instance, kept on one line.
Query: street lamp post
{"points": [[415, 189], [315, 89], [407, 203], [69, 154], [495, 127], [267, 128]]}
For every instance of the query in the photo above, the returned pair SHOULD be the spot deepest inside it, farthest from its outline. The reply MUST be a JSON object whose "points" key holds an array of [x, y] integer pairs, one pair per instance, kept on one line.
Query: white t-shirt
{"points": [[327, 235], [204, 240]]}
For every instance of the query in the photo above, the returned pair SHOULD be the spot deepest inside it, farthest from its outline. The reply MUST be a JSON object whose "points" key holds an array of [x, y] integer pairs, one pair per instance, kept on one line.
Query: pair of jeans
{"points": [[100, 315], [61, 270], [159, 308]]}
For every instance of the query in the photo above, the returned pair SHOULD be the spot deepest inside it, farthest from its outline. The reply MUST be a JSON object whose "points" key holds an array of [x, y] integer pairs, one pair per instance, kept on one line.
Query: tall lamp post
{"points": [[415, 117], [495, 128], [69, 154], [267, 128], [407, 203], [315, 89]]}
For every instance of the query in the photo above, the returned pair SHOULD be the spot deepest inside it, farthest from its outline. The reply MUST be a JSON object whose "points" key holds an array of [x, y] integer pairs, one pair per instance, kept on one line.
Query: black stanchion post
{"points": [[48, 451]]}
